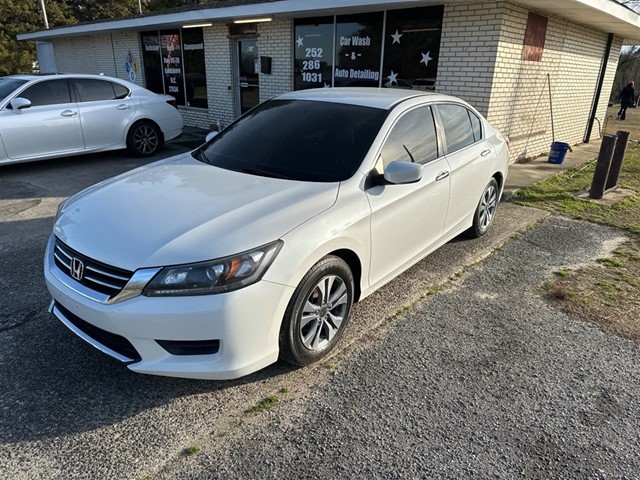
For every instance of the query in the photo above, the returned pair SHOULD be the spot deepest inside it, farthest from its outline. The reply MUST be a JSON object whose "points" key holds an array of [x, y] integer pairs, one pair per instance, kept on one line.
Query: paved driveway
{"points": [[67, 411]]}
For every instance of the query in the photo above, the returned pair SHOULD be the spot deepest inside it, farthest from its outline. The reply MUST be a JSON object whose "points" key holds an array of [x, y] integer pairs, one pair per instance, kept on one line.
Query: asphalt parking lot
{"points": [[481, 380]]}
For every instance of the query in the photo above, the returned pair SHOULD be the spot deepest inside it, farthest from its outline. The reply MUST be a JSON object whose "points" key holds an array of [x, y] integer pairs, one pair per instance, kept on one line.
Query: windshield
{"points": [[297, 139], [8, 85]]}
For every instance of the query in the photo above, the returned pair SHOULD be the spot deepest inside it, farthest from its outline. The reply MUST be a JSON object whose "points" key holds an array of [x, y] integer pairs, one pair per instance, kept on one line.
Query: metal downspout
{"points": [[596, 100]]}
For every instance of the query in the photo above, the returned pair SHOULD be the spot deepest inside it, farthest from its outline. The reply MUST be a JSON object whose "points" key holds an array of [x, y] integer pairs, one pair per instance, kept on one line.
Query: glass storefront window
{"points": [[194, 70], [313, 53], [174, 64], [412, 44], [358, 49], [152, 61], [411, 48]]}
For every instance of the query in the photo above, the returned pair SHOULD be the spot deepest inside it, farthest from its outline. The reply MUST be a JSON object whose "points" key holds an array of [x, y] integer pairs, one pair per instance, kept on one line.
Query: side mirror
{"points": [[210, 135], [19, 103], [403, 172]]}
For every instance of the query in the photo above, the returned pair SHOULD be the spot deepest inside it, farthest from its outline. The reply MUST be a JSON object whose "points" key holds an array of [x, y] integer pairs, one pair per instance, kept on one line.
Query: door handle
{"points": [[442, 176], [68, 113], [484, 153], [123, 106]]}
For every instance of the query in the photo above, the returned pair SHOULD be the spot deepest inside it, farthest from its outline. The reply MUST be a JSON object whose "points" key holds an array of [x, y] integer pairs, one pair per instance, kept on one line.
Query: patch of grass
{"points": [[284, 390], [610, 262], [264, 404], [191, 450], [433, 289], [563, 272]]}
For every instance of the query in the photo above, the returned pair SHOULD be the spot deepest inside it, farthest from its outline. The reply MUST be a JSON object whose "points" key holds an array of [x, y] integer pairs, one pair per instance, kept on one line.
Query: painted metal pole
{"points": [[618, 156], [599, 181]]}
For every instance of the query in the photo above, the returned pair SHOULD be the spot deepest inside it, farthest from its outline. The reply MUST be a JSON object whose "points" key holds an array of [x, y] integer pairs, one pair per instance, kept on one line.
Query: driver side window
{"points": [[412, 138]]}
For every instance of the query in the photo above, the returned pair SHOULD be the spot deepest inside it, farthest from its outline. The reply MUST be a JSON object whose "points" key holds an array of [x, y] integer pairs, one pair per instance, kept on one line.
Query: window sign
{"points": [[358, 48], [313, 53], [171, 49], [412, 43]]}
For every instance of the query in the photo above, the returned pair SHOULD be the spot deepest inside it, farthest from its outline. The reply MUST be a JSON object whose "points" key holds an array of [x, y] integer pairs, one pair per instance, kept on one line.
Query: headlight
{"points": [[215, 276]]}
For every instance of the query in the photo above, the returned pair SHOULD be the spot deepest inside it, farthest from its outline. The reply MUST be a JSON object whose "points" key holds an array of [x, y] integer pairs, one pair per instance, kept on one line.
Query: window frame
{"points": [[379, 163], [79, 100], [440, 123]]}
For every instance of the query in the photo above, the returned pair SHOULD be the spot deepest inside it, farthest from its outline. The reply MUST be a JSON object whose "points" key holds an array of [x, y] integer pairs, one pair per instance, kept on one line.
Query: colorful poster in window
{"points": [[313, 53], [358, 50], [412, 43], [170, 47]]}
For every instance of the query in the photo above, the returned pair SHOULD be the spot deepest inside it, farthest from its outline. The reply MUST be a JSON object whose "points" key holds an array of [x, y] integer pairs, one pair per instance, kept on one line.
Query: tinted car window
{"points": [[120, 90], [457, 126], [91, 90], [297, 139], [412, 138], [48, 92], [8, 85], [475, 124]]}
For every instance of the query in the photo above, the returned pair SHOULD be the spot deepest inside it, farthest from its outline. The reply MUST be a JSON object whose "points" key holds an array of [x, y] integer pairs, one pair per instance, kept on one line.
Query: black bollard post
{"points": [[618, 156], [602, 167]]}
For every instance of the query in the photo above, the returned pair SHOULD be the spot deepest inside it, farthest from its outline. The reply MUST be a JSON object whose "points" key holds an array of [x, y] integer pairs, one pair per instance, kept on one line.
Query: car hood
{"points": [[183, 211]]}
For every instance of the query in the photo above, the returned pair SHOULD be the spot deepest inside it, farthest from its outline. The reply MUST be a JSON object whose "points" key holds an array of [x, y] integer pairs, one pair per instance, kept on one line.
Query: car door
{"points": [[106, 111], [468, 154], [49, 127], [407, 220]]}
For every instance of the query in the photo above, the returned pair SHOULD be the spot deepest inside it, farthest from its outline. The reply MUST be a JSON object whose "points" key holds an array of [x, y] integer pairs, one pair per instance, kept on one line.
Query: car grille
{"points": [[96, 276], [110, 340]]}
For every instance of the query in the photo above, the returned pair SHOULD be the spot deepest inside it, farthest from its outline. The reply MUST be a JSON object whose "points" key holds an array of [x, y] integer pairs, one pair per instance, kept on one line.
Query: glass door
{"points": [[248, 74]]}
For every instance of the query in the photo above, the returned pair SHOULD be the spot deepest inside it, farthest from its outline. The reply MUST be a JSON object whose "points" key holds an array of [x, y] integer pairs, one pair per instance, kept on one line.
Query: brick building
{"points": [[539, 70]]}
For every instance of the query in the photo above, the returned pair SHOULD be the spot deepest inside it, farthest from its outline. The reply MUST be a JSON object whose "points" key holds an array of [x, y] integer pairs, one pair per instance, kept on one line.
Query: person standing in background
{"points": [[627, 97]]}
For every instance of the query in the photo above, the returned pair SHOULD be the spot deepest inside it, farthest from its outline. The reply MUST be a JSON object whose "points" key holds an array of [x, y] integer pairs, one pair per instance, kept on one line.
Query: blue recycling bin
{"points": [[558, 152]]}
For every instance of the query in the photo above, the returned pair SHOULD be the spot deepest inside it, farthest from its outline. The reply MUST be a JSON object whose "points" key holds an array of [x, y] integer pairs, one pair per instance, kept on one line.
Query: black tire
{"points": [[486, 210], [307, 340], [144, 138]]}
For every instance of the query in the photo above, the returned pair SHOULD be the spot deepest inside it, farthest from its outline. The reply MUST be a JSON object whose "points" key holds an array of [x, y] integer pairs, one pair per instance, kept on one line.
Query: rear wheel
{"points": [[486, 210], [143, 138], [318, 312]]}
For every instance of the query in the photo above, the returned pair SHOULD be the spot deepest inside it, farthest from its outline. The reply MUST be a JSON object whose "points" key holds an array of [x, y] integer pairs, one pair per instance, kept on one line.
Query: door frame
{"points": [[235, 66]]}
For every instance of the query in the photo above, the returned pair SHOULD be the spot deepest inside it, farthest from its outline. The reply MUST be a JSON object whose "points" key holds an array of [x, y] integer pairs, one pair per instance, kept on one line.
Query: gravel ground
{"points": [[484, 380]]}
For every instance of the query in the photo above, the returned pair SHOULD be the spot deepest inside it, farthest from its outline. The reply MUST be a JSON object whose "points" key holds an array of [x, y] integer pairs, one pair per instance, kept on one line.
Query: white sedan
{"points": [[52, 116], [214, 264]]}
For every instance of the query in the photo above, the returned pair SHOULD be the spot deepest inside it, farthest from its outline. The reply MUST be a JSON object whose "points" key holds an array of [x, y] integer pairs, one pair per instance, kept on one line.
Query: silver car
{"points": [[51, 116]]}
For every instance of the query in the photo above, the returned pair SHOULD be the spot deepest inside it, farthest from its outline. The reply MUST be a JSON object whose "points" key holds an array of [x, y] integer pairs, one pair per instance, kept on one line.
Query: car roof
{"points": [[30, 77], [383, 98]]}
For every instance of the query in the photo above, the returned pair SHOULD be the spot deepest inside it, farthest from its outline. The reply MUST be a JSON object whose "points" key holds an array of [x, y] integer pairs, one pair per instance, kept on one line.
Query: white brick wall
{"points": [[103, 53], [275, 40]]}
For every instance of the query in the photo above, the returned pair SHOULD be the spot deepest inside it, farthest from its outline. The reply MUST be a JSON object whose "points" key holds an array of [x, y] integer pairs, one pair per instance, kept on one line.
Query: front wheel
{"points": [[486, 210], [143, 139], [317, 313]]}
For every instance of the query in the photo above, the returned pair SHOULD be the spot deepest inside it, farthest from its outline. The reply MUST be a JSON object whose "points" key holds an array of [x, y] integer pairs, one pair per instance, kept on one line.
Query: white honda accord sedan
{"points": [[254, 247], [52, 116]]}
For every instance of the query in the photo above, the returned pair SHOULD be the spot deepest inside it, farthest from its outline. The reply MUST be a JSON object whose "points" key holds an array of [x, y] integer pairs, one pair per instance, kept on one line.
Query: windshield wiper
{"points": [[264, 173]]}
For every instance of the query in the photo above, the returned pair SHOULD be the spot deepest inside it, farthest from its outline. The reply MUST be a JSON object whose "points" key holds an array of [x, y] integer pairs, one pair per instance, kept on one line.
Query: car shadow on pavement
{"points": [[52, 383], [63, 177]]}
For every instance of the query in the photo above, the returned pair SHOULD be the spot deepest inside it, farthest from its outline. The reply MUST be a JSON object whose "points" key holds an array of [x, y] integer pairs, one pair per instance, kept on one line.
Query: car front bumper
{"points": [[244, 325]]}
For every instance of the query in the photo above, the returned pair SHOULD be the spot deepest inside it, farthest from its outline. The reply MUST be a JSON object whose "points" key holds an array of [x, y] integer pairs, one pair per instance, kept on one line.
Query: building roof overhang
{"points": [[605, 15]]}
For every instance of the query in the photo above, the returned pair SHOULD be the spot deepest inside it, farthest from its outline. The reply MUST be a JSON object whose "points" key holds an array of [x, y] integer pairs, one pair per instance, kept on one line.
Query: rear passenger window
{"points": [[457, 126], [90, 90], [120, 90], [412, 138], [48, 92], [476, 125]]}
